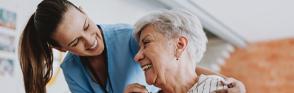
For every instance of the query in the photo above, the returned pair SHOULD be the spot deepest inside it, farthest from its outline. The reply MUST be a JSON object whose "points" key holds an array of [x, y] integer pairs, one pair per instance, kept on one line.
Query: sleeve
{"points": [[134, 46], [73, 86], [129, 30]]}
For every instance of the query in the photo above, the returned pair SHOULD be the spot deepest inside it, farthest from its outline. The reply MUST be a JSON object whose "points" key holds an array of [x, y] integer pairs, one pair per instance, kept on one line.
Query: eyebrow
{"points": [[77, 38]]}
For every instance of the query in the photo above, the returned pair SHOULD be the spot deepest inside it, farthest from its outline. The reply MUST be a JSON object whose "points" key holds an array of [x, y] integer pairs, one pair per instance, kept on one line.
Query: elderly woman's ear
{"points": [[181, 46]]}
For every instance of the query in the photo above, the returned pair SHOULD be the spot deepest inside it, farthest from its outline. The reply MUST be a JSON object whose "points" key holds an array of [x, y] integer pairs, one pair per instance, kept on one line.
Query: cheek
{"points": [[159, 53], [159, 57], [75, 51], [79, 50]]}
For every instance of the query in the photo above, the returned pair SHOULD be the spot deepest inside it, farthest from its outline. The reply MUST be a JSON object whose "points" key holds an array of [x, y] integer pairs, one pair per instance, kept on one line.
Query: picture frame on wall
{"points": [[7, 19], [7, 42]]}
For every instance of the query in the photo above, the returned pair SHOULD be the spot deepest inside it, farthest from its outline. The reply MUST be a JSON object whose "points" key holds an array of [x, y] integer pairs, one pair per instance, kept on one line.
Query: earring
{"points": [[178, 59]]}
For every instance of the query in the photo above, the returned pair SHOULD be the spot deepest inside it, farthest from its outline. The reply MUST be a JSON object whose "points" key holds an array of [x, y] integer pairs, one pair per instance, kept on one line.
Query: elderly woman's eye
{"points": [[145, 42]]}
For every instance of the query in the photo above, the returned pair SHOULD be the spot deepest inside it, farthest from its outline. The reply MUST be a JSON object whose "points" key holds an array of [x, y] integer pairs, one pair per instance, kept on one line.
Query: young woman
{"points": [[100, 57]]}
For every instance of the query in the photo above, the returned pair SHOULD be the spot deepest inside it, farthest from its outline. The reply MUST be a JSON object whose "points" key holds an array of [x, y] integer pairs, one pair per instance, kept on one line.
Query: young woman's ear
{"points": [[181, 45]]}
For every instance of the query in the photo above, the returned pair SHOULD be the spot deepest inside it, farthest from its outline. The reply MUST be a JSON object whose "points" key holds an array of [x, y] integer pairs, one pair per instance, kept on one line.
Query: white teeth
{"points": [[147, 67], [94, 45]]}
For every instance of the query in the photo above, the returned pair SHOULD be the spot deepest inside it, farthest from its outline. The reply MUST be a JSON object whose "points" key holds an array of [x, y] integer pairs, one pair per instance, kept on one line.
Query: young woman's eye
{"points": [[76, 43], [146, 42]]}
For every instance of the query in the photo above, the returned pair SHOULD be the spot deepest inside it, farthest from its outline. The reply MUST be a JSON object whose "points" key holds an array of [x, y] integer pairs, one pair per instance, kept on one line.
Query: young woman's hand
{"points": [[136, 88], [234, 86]]}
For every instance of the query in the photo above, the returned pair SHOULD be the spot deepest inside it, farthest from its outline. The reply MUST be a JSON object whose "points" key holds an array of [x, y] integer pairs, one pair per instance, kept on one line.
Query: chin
{"points": [[159, 84], [91, 53], [96, 53]]}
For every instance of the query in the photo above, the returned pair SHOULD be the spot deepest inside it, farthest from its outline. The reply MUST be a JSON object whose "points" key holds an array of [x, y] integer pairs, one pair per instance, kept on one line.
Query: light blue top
{"points": [[122, 69]]}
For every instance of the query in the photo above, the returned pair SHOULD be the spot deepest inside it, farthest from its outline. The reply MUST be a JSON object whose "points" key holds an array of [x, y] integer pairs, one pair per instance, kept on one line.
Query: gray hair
{"points": [[174, 23]]}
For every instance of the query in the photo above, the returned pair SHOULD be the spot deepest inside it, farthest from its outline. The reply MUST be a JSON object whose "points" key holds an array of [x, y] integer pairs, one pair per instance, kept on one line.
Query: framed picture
{"points": [[7, 42], [6, 67], [7, 19]]}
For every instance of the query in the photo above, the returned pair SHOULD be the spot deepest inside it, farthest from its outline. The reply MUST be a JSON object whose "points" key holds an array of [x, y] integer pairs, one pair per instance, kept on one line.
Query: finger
{"points": [[136, 88], [220, 91], [139, 85], [231, 85], [236, 87], [223, 83], [230, 80]]}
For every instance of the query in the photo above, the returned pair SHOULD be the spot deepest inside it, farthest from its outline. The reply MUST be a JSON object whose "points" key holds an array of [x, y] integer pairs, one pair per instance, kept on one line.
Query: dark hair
{"points": [[35, 54]]}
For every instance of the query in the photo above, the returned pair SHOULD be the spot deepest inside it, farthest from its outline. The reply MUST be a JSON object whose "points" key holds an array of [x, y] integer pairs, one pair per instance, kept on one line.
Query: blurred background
{"points": [[250, 40]]}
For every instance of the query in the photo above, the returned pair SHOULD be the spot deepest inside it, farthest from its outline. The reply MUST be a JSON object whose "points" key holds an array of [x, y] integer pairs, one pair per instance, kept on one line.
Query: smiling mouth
{"points": [[146, 67], [94, 45]]}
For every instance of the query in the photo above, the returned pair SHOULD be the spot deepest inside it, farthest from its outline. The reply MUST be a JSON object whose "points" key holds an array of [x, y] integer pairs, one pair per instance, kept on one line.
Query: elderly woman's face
{"points": [[156, 56]]}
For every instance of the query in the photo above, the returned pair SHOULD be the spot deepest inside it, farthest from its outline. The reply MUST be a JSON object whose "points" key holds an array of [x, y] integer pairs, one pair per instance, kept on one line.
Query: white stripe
{"points": [[207, 84]]}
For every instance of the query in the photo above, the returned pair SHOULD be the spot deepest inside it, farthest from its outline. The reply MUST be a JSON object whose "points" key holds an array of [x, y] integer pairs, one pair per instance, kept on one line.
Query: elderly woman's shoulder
{"points": [[212, 77], [207, 83]]}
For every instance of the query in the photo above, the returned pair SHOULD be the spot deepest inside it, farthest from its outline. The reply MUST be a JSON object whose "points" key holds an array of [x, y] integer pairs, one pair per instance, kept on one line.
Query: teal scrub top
{"points": [[121, 48]]}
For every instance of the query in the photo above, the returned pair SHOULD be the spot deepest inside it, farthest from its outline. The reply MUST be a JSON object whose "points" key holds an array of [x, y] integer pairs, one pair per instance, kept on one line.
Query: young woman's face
{"points": [[78, 34]]}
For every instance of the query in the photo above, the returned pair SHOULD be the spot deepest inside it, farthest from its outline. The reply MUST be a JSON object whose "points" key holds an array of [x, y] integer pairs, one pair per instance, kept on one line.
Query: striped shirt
{"points": [[207, 84]]}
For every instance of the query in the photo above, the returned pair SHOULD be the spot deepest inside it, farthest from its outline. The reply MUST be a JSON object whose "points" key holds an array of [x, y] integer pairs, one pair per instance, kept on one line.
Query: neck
{"points": [[97, 63], [98, 67], [98, 57], [184, 80]]}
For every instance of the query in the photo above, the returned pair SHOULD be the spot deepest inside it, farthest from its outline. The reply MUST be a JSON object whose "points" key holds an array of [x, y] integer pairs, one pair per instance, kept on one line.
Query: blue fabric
{"points": [[123, 70]]}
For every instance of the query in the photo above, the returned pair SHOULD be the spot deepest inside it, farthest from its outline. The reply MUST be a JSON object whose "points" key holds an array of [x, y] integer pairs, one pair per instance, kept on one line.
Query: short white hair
{"points": [[174, 23]]}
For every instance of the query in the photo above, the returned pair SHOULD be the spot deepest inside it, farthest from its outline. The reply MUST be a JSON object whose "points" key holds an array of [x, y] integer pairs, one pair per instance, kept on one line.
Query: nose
{"points": [[88, 40], [139, 56]]}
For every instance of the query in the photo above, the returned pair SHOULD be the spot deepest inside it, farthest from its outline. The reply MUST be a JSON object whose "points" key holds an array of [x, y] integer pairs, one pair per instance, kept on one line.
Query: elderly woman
{"points": [[171, 44]]}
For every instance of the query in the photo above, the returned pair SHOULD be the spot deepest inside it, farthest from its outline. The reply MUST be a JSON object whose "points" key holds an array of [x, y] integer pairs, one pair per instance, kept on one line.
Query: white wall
{"points": [[13, 84], [217, 52], [255, 20], [100, 11], [117, 11]]}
